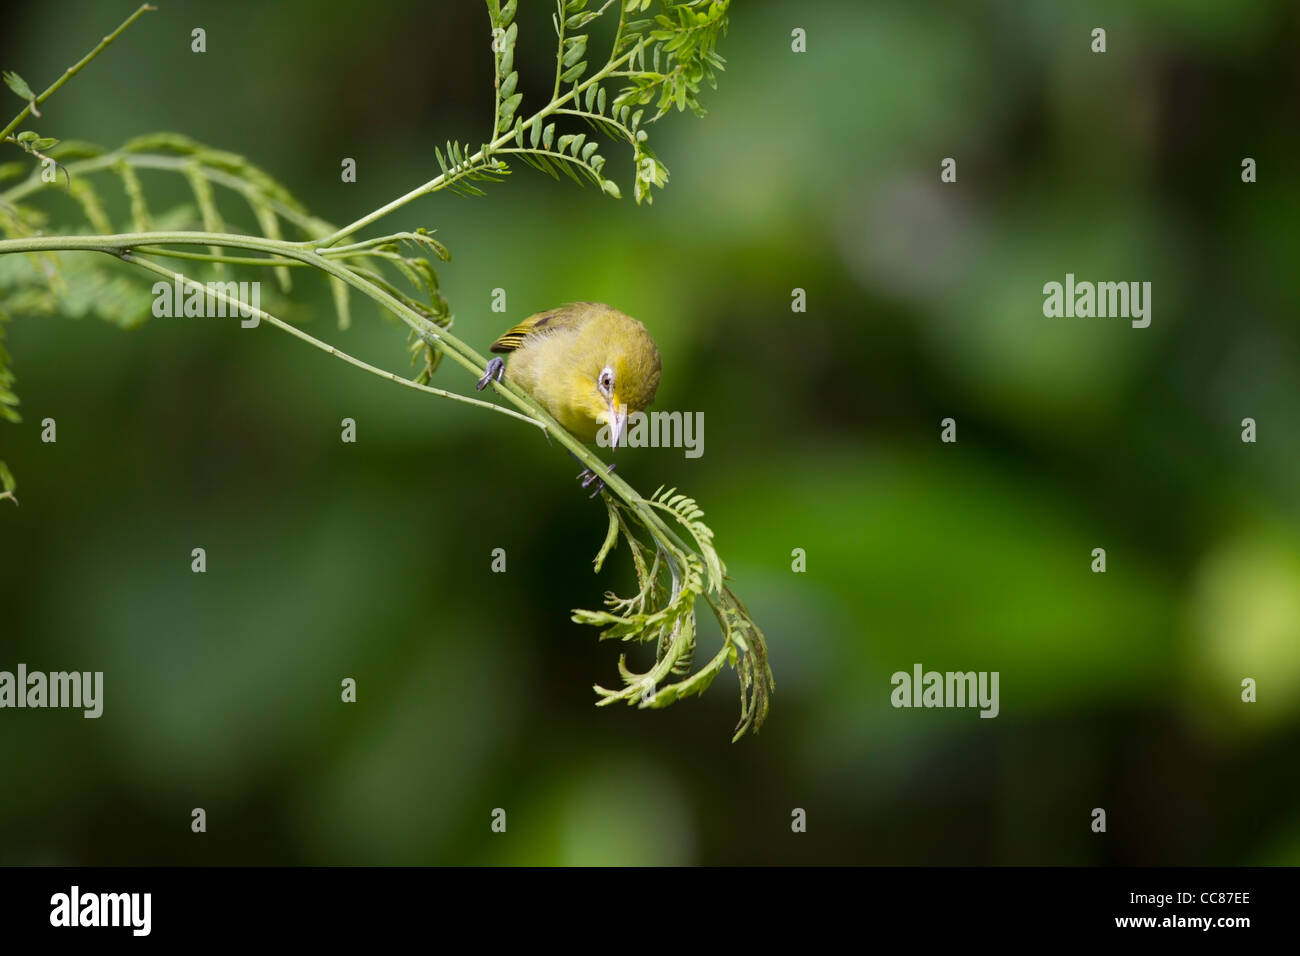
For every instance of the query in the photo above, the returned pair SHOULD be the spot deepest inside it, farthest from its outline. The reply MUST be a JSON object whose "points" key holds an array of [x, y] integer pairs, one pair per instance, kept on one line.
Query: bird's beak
{"points": [[617, 422]]}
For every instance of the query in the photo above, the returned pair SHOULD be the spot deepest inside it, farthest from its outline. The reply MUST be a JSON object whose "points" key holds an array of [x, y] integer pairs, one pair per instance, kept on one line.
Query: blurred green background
{"points": [[818, 171]]}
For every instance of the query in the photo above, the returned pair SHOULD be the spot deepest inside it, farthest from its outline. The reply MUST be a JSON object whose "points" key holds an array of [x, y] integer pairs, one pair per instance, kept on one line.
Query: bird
{"points": [[586, 363]]}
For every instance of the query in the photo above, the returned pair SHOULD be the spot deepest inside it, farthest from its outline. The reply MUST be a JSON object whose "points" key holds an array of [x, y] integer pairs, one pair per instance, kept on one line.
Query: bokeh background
{"points": [[818, 171]]}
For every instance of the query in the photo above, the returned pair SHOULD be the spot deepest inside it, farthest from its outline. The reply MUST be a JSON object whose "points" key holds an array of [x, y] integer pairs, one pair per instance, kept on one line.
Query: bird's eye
{"points": [[606, 380]]}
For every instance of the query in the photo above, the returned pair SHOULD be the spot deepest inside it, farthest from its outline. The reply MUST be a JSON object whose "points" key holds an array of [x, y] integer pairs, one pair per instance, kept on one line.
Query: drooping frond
{"points": [[671, 578]]}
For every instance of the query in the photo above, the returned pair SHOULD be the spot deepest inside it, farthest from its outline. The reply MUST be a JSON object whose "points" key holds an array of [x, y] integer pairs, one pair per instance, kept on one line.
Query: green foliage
{"points": [[20, 87], [36, 145], [682, 42], [655, 62], [658, 62], [73, 287], [44, 284], [670, 579], [460, 170]]}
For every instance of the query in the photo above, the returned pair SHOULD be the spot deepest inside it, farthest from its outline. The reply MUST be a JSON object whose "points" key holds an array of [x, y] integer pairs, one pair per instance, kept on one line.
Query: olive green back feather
{"points": [[566, 316]]}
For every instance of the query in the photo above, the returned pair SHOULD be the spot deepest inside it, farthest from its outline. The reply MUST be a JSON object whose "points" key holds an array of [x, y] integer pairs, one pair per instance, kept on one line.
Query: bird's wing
{"points": [[511, 340]]}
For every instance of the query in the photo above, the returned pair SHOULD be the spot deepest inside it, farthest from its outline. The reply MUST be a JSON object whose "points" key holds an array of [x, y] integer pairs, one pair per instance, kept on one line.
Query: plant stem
{"points": [[371, 243], [559, 50], [122, 246], [73, 70], [695, 569], [229, 260], [162, 270], [475, 161]]}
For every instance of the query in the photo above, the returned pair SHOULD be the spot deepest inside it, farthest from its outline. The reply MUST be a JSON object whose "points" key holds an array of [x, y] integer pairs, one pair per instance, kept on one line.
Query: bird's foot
{"points": [[495, 369], [588, 476]]}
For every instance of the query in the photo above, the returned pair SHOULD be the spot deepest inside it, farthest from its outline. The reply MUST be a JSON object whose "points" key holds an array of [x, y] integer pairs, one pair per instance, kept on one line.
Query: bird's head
{"points": [[624, 381]]}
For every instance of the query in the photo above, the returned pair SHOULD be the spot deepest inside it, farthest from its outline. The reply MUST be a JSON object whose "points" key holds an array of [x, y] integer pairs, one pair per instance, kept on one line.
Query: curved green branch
{"points": [[670, 547]]}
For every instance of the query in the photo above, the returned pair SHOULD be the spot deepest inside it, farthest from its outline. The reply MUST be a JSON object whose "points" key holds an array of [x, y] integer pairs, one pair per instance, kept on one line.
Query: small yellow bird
{"points": [[586, 363]]}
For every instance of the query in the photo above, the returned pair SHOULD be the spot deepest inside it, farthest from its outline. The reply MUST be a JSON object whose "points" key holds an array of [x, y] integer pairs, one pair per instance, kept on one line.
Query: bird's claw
{"points": [[587, 476], [495, 369]]}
